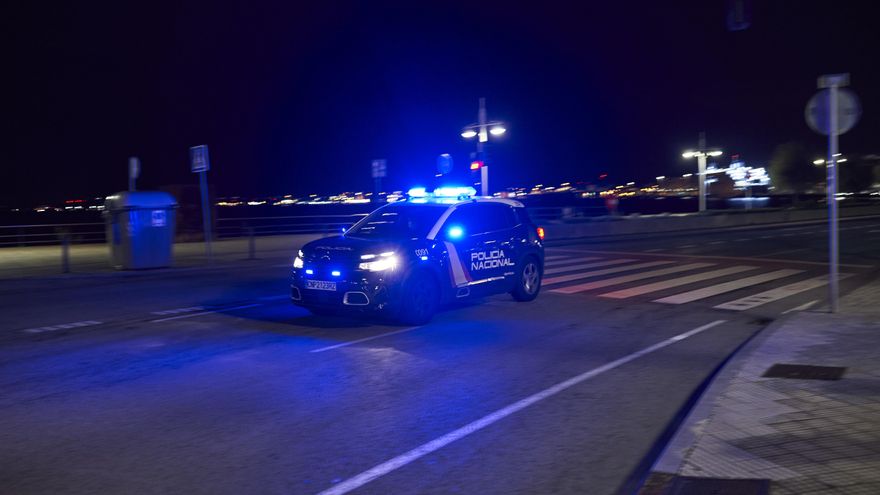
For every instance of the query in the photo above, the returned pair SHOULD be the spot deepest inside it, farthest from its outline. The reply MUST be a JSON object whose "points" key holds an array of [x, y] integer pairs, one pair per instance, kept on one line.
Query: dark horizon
{"points": [[295, 99]]}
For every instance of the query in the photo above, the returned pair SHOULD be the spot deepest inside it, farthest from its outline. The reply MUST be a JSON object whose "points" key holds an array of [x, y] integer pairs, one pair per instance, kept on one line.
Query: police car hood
{"points": [[347, 248]]}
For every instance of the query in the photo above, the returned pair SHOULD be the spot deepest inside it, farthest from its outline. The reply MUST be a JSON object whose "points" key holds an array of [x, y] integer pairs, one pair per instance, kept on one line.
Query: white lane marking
{"points": [[358, 341], [742, 240], [675, 282], [191, 315], [778, 293], [802, 307], [714, 290], [570, 260], [686, 246], [571, 268], [655, 250], [438, 443], [63, 326], [596, 273], [873, 231], [556, 257], [718, 242], [630, 278], [178, 311], [710, 257]]}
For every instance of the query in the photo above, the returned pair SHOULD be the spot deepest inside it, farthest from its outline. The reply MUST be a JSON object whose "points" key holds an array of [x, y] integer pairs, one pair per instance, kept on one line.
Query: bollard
{"points": [[252, 254], [65, 253]]}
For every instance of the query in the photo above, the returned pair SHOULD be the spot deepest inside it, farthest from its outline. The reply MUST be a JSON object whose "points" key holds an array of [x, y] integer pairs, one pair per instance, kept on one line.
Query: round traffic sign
{"points": [[818, 111], [444, 164]]}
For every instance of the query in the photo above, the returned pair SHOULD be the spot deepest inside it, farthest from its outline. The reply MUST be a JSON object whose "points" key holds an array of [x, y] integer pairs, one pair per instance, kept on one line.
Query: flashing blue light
{"points": [[417, 192], [335, 273], [309, 271], [423, 258], [454, 192], [455, 232]]}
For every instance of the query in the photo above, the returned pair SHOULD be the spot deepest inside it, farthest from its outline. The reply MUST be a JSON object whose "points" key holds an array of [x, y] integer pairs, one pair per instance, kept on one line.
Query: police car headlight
{"points": [[298, 261], [386, 262]]}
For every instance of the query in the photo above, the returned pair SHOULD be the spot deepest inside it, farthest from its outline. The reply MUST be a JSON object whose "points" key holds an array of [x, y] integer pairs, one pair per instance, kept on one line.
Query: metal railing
{"points": [[53, 233], [287, 225], [225, 228]]}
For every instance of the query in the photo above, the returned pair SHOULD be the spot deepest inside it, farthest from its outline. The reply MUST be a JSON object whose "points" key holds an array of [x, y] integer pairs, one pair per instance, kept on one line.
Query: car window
{"points": [[480, 218], [404, 221]]}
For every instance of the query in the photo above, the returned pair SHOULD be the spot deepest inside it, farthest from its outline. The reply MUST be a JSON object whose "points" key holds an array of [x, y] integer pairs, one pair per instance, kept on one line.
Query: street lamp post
{"points": [[701, 155], [481, 131]]}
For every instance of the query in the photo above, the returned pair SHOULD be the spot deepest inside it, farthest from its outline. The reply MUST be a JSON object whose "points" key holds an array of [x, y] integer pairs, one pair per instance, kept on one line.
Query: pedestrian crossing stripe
{"points": [[607, 271], [571, 268], [569, 261], [718, 289], [675, 282], [778, 293], [630, 278]]}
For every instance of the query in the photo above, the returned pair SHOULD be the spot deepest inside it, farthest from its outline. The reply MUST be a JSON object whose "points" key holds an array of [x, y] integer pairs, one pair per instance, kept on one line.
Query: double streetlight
{"points": [[481, 131], [701, 154]]}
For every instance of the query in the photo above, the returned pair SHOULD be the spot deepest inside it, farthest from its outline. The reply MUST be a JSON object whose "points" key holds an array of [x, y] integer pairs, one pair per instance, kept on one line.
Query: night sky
{"points": [[298, 97]]}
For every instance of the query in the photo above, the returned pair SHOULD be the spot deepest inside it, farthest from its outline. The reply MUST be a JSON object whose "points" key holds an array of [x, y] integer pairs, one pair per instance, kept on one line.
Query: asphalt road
{"points": [[209, 381]]}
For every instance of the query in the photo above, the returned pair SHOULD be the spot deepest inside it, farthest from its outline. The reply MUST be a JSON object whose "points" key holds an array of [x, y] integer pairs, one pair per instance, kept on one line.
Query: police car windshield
{"points": [[403, 221]]}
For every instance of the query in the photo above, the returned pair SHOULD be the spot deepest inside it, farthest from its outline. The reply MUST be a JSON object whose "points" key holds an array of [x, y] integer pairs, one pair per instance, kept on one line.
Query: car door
{"points": [[477, 236]]}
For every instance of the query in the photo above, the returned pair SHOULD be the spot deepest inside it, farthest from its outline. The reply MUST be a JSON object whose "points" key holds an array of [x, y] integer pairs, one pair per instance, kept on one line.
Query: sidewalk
{"points": [[750, 434], [42, 261]]}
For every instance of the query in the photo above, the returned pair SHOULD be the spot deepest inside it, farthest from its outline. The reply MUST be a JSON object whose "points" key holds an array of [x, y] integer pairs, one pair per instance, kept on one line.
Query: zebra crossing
{"points": [[678, 280]]}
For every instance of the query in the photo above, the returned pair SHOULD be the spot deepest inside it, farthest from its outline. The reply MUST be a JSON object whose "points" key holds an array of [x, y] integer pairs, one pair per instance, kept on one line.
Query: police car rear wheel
{"points": [[529, 281], [420, 299]]}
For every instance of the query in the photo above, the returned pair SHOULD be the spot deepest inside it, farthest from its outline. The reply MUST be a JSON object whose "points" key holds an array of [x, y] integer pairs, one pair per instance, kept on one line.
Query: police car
{"points": [[407, 258]]}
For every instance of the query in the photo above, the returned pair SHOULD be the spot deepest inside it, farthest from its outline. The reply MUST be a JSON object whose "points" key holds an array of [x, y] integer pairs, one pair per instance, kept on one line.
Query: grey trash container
{"points": [[140, 229]]}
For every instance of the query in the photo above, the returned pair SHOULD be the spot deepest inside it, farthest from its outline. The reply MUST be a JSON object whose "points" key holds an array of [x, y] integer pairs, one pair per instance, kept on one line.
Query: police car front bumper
{"points": [[360, 291]]}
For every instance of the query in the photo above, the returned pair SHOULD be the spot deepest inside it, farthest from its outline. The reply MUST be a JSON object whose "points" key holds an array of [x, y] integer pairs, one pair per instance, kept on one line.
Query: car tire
{"points": [[528, 280], [420, 299]]}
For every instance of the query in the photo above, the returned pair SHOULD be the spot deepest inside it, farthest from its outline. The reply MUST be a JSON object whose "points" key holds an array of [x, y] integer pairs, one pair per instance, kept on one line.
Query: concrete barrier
{"points": [[684, 222]]}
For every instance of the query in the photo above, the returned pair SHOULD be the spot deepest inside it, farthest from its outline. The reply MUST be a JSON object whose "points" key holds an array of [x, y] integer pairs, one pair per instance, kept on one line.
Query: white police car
{"points": [[407, 258]]}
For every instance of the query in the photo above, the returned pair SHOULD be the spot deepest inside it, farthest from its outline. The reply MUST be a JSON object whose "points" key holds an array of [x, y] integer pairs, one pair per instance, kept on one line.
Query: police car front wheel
{"points": [[420, 299], [528, 283]]}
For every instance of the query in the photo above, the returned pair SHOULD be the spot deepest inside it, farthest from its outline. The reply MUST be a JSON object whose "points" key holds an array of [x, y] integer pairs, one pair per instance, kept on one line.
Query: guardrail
{"points": [[53, 233], [300, 224]]}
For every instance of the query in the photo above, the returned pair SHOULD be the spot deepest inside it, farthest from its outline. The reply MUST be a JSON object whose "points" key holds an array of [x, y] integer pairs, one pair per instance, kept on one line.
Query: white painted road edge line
{"points": [[438, 443], [803, 307], [358, 341], [191, 315], [64, 326]]}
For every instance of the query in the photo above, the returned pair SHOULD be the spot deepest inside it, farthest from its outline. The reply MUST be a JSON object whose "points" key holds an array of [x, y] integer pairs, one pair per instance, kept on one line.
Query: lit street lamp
{"points": [[481, 130], [700, 154]]}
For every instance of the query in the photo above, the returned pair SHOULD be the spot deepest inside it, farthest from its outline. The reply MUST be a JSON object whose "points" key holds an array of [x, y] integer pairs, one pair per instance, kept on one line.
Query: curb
{"points": [[710, 387]]}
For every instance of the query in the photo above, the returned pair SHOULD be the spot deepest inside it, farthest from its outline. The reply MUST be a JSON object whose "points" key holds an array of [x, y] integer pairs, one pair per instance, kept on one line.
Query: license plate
{"points": [[320, 285]]}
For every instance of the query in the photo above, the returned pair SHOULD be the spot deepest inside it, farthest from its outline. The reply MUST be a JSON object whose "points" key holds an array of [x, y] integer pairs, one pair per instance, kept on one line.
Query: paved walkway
{"points": [[793, 436]]}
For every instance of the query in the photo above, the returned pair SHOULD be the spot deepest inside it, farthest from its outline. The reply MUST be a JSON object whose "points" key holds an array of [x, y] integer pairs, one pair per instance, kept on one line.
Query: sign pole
{"points": [[200, 163], [834, 254], [482, 137], [833, 111], [701, 170], [134, 171], [206, 212]]}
